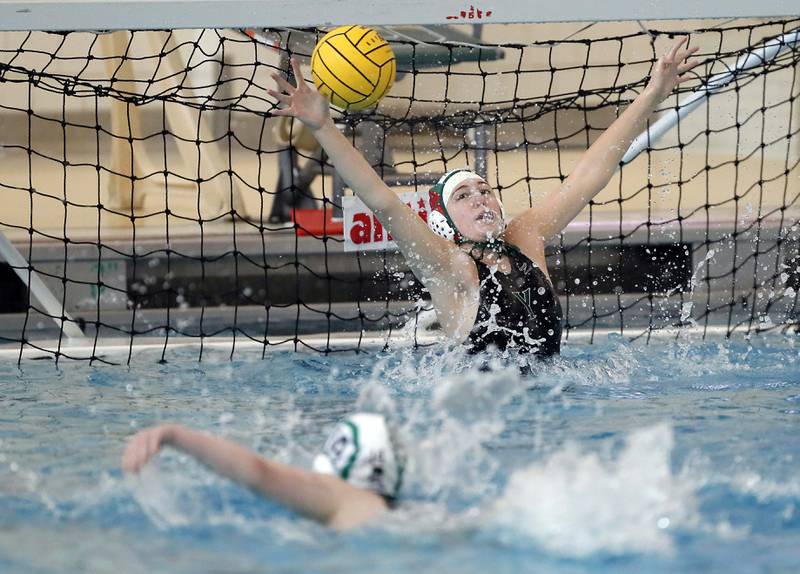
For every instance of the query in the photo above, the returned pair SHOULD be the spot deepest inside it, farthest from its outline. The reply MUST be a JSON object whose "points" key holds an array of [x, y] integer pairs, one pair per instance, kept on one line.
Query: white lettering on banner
{"points": [[363, 231]]}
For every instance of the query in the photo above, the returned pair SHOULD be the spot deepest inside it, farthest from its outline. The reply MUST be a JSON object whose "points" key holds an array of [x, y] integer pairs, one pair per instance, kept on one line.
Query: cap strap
{"points": [[444, 190]]}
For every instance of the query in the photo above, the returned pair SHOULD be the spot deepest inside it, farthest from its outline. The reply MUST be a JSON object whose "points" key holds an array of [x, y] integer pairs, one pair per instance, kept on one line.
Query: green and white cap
{"points": [[361, 451]]}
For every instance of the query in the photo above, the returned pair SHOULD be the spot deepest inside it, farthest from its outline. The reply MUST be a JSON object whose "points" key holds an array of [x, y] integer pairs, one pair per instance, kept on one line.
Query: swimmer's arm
{"points": [[428, 254], [326, 499], [597, 166]]}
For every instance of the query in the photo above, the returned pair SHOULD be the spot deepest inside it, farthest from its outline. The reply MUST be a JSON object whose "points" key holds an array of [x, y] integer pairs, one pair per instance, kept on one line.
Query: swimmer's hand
{"points": [[144, 445], [302, 101], [672, 68]]}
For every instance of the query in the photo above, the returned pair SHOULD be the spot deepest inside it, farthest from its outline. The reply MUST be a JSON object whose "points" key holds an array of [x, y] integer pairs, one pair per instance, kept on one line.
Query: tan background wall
{"points": [[244, 85]]}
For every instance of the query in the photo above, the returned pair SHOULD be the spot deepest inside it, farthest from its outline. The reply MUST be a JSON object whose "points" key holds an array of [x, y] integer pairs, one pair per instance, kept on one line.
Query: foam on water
{"points": [[577, 503], [765, 489]]}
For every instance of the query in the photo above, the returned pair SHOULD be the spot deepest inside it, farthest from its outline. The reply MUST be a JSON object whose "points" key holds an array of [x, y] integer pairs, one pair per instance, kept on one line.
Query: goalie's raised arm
{"points": [[428, 255], [306, 104], [595, 169]]}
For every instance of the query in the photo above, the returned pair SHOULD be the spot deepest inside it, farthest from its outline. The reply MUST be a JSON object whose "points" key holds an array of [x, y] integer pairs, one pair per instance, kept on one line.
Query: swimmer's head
{"points": [[362, 451], [464, 208]]}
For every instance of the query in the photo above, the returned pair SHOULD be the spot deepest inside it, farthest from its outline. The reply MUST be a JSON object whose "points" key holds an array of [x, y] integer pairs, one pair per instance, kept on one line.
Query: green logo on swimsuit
{"points": [[524, 297]]}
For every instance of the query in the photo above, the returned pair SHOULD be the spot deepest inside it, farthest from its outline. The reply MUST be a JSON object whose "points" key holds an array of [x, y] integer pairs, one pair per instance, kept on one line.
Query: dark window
{"points": [[601, 269], [13, 294]]}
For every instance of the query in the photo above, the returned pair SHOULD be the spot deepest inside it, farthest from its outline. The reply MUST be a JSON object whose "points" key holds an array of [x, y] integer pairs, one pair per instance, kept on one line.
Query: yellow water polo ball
{"points": [[353, 67]]}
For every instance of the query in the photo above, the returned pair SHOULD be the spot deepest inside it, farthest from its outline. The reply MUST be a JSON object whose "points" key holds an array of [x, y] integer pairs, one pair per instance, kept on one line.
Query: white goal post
{"points": [[172, 14]]}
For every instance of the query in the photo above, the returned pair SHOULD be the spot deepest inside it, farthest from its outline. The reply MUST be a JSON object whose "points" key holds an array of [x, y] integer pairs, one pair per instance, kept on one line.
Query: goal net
{"points": [[149, 189]]}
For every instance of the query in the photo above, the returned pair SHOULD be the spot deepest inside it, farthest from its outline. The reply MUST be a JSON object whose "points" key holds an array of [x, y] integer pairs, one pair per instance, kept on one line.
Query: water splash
{"points": [[577, 503], [765, 489], [444, 419], [166, 498], [451, 462]]}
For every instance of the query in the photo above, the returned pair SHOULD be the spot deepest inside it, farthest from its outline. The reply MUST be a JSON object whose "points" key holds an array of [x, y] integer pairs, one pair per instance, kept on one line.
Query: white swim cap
{"points": [[360, 450]]}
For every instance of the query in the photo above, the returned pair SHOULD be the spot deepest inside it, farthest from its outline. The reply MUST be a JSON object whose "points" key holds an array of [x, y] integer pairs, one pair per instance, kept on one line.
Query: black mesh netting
{"points": [[147, 184]]}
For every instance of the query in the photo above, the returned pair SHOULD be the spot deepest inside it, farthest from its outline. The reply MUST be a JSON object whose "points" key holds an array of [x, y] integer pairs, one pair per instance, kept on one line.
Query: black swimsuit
{"points": [[518, 310]]}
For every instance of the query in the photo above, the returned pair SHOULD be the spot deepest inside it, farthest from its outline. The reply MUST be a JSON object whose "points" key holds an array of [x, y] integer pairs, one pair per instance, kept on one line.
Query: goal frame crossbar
{"points": [[174, 14]]}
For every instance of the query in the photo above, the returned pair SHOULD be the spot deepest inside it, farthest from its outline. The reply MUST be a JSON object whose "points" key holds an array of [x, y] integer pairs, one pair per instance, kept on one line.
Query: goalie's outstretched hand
{"points": [[302, 101], [672, 68]]}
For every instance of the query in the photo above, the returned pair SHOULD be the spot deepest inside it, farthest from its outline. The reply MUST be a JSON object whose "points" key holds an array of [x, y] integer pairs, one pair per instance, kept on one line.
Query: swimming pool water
{"points": [[618, 457]]}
